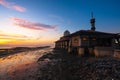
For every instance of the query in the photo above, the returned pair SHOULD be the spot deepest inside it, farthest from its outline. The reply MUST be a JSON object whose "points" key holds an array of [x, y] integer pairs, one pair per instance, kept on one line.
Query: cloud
{"points": [[11, 36], [31, 25], [12, 6], [19, 8]]}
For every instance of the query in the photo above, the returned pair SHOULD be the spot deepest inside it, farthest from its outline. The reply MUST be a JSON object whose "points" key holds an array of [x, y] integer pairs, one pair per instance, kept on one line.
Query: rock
{"points": [[62, 66]]}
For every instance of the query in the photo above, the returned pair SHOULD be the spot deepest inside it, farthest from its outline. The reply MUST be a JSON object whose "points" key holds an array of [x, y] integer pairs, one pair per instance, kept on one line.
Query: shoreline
{"points": [[62, 66], [48, 64], [21, 66], [10, 51]]}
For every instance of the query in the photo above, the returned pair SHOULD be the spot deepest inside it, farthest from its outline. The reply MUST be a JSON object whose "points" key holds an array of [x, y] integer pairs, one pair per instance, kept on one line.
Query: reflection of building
{"points": [[86, 42]]}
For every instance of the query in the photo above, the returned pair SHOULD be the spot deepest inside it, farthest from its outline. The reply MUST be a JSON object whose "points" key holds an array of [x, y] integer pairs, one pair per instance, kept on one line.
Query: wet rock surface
{"points": [[62, 66]]}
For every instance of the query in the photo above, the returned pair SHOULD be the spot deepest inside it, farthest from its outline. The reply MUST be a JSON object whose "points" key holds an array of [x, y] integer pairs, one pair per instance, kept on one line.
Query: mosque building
{"points": [[89, 42]]}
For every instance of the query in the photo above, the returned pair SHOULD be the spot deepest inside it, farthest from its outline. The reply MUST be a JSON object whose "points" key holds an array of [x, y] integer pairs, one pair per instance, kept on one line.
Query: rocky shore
{"points": [[58, 65]]}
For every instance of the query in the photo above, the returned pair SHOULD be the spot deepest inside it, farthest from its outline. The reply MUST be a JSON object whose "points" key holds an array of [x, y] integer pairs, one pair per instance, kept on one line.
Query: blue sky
{"points": [[75, 14], [70, 14], [58, 15]]}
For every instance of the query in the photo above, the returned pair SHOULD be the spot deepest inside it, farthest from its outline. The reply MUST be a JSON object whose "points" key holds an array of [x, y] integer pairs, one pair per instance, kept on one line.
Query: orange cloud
{"points": [[31, 25], [12, 6], [13, 36], [10, 39]]}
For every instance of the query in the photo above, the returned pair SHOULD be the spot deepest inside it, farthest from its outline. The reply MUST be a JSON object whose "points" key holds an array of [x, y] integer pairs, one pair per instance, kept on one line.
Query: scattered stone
{"points": [[63, 66]]}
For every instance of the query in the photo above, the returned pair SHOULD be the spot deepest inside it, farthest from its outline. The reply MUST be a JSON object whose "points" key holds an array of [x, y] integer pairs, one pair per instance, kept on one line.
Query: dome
{"points": [[66, 33]]}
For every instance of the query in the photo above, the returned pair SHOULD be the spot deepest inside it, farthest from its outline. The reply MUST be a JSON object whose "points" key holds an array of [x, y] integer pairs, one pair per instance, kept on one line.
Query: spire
{"points": [[92, 21], [92, 15]]}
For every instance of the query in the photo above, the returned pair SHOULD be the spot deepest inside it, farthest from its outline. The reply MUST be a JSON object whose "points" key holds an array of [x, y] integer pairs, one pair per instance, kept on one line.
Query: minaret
{"points": [[92, 21]]}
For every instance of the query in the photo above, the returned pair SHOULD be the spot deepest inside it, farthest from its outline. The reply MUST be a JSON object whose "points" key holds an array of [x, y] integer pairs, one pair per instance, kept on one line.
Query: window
{"points": [[116, 41], [94, 38], [75, 40], [85, 38]]}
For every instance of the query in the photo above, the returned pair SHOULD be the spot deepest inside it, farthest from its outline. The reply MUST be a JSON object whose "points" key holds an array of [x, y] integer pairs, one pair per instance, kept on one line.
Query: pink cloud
{"points": [[31, 25], [12, 6], [19, 8]]}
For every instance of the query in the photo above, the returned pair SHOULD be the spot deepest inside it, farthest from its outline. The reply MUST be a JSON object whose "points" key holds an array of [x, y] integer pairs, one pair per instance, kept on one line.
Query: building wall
{"points": [[84, 41], [103, 51], [78, 45], [117, 53], [80, 51], [75, 41], [91, 51]]}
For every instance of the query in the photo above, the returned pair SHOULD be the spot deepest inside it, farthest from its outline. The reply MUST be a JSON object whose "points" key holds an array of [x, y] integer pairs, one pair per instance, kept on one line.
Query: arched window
{"points": [[75, 40], [94, 38], [85, 38]]}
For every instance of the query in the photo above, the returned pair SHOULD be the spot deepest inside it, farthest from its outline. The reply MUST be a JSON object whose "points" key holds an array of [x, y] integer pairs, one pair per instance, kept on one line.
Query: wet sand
{"points": [[21, 66]]}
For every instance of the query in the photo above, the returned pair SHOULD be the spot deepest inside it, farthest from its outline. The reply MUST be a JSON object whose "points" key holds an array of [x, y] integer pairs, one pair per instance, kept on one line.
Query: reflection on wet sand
{"points": [[21, 65]]}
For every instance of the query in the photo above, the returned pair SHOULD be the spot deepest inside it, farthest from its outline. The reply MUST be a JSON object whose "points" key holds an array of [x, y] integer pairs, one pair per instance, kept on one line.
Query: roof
{"points": [[64, 38], [90, 32]]}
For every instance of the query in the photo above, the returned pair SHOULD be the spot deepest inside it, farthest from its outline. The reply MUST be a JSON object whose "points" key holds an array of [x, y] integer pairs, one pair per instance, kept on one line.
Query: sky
{"points": [[42, 22]]}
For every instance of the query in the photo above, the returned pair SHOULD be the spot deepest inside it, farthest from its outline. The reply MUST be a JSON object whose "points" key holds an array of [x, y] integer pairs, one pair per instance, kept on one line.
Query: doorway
{"points": [[86, 52], [75, 51]]}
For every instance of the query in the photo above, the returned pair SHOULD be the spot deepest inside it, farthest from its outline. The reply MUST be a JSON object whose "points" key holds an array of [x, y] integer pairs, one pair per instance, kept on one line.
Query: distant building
{"points": [[89, 42]]}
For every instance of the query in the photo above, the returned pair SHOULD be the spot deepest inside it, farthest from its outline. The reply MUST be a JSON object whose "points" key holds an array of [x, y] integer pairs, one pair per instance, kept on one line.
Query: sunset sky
{"points": [[41, 22]]}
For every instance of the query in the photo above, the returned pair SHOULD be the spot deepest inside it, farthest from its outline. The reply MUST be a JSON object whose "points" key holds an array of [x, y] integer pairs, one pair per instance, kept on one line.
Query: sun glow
{"points": [[4, 41]]}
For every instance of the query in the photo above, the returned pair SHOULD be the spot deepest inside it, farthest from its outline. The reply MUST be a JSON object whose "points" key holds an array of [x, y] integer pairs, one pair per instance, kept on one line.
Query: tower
{"points": [[92, 21]]}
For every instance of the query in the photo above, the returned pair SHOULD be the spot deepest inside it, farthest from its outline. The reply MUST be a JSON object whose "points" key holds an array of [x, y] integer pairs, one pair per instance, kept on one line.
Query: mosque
{"points": [[89, 42]]}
